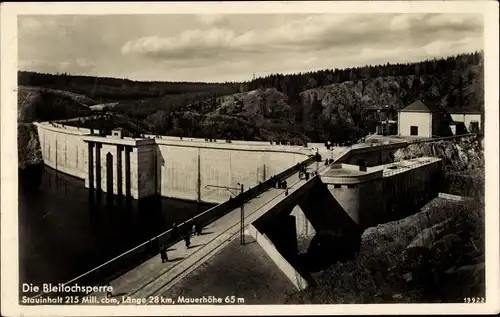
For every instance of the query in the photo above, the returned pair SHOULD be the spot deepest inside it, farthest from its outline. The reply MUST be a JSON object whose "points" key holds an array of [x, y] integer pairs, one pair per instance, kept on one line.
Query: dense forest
{"points": [[103, 89], [319, 105]]}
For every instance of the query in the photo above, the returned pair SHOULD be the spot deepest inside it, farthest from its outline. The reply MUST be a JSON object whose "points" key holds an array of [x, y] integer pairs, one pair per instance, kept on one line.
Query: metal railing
{"points": [[424, 140], [401, 168]]}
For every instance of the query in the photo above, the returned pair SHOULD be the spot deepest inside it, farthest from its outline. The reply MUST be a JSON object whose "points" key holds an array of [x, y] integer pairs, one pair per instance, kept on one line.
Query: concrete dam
{"points": [[168, 166], [359, 186]]}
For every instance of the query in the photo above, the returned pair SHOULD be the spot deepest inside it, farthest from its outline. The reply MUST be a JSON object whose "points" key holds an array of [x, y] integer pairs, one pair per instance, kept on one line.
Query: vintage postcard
{"points": [[244, 158]]}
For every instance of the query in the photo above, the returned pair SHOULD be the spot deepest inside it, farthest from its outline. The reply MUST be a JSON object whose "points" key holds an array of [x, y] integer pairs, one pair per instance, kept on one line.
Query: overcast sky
{"points": [[233, 47]]}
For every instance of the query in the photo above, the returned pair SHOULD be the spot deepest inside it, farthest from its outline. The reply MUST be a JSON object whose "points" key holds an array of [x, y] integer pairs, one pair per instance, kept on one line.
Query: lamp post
{"points": [[242, 221], [242, 214]]}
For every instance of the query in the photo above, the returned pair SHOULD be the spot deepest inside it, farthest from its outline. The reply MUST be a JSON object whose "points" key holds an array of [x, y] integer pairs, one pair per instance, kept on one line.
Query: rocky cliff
{"points": [[261, 114], [348, 102], [463, 163], [458, 155], [29, 151]]}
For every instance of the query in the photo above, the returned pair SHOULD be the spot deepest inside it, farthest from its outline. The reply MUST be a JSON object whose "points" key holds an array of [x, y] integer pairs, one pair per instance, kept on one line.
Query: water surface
{"points": [[62, 233]]}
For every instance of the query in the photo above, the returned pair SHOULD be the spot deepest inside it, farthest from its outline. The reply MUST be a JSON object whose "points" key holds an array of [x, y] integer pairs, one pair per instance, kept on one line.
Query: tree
{"points": [[460, 91]]}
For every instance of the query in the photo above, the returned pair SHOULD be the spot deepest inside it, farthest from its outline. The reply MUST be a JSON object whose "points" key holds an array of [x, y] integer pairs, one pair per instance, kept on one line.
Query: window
{"points": [[474, 127], [413, 130]]}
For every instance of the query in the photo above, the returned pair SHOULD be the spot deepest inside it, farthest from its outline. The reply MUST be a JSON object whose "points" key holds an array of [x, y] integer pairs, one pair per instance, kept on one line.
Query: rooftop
{"points": [[419, 106], [402, 166], [460, 110], [346, 170], [351, 174]]}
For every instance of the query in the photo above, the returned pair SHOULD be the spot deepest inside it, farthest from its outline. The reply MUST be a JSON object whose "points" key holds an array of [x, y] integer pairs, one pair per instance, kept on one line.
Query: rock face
{"points": [[457, 155], [463, 163], [407, 229], [29, 151], [347, 102], [427, 237]]}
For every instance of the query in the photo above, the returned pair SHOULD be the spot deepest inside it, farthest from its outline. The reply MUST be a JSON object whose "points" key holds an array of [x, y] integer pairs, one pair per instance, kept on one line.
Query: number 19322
{"points": [[474, 300]]}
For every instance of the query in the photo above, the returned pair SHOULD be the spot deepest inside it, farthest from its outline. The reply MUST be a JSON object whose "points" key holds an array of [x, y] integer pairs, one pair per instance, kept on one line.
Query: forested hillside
{"points": [[42, 104], [103, 89], [329, 104], [337, 111]]}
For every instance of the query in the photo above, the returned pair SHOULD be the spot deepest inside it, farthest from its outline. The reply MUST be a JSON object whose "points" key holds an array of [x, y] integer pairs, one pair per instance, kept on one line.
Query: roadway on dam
{"points": [[154, 277]]}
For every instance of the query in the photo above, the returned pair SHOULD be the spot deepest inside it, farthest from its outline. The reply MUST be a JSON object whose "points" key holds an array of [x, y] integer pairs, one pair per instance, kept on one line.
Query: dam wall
{"points": [[190, 169], [181, 166], [63, 148]]}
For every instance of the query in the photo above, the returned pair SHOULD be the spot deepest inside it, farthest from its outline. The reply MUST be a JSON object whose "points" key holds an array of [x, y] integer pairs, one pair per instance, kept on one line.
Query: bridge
{"points": [[358, 187]]}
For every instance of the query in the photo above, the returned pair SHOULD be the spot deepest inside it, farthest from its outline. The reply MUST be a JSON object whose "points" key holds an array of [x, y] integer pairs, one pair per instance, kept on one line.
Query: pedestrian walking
{"points": [[307, 176], [193, 228], [187, 239], [163, 254]]}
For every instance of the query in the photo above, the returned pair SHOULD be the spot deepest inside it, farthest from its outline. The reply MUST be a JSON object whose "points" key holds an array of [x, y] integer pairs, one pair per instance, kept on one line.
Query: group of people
{"points": [[277, 183], [195, 229], [329, 144], [305, 174], [285, 143]]}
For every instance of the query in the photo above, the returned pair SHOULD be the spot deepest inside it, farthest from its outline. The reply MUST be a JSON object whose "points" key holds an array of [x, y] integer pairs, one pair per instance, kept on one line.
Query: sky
{"points": [[233, 47]]}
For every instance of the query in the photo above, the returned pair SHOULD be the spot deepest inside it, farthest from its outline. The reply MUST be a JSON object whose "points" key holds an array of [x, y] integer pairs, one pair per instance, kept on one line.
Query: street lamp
{"points": [[242, 215], [242, 220]]}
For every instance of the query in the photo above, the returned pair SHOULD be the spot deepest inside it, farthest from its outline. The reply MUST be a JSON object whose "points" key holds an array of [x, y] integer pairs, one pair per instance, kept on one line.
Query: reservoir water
{"points": [[63, 233]]}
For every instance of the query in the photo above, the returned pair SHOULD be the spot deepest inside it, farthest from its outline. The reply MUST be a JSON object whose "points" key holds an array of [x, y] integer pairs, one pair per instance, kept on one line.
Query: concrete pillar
{"points": [[119, 151], [91, 165], [98, 166], [127, 171]]}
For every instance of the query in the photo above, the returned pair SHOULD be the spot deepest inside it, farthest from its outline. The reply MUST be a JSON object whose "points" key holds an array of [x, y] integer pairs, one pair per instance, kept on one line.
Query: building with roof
{"points": [[471, 118], [419, 120], [120, 132]]}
